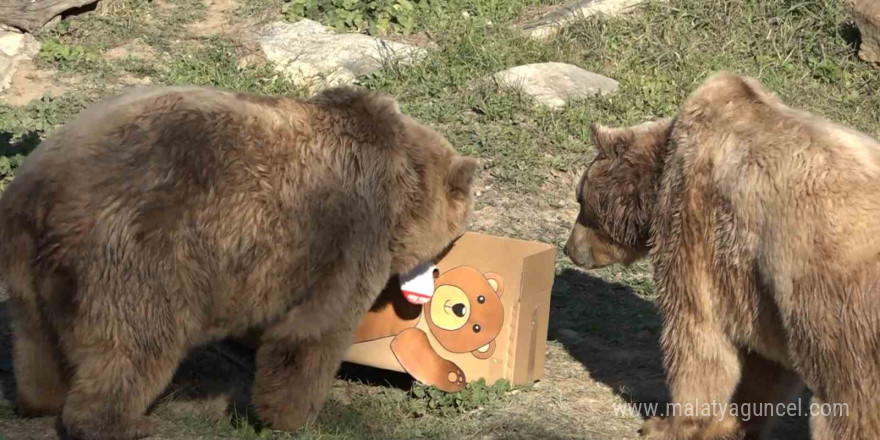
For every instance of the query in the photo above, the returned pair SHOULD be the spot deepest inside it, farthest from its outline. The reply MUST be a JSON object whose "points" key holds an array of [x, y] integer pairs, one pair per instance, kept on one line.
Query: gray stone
{"points": [[14, 48], [867, 17], [553, 84], [7, 69], [550, 23], [308, 52], [31, 15]]}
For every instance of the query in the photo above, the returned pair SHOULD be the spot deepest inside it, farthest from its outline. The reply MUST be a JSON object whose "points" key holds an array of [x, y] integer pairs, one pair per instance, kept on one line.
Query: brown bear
{"points": [[762, 223], [464, 315], [169, 217]]}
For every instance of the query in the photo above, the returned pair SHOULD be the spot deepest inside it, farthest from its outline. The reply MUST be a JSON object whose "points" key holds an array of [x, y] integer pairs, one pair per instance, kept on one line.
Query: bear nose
{"points": [[459, 310], [571, 253]]}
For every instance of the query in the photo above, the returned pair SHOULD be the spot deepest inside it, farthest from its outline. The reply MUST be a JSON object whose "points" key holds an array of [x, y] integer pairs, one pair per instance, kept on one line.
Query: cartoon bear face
{"points": [[465, 314]]}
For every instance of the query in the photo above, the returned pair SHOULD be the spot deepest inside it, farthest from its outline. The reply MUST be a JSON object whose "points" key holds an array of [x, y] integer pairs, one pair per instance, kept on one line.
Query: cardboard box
{"points": [[487, 317]]}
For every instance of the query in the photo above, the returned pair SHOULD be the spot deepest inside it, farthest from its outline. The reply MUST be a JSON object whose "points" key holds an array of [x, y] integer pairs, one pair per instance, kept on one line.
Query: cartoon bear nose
{"points": [[459, 310]]}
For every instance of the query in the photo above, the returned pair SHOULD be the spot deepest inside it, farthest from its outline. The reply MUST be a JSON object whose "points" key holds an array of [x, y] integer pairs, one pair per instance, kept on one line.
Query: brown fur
{"points": [[763, 226], [170, 217]]}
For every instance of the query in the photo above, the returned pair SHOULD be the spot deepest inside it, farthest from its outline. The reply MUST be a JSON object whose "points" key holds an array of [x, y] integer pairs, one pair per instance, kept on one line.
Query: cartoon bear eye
{"points": [[477, 328], [459, 310], [481, 299]]}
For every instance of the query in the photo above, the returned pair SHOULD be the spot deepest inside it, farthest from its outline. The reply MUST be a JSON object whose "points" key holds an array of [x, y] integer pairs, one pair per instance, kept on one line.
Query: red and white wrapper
{"points": [[418, 284]]}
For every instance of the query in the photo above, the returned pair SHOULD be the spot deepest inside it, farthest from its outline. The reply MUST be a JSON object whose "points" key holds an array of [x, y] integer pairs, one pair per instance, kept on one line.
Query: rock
{"points": [[14, 48], [309, 52], [553, 84], [6, 71], [51, 24], [549, 24], [867, 17], [32, 15]]}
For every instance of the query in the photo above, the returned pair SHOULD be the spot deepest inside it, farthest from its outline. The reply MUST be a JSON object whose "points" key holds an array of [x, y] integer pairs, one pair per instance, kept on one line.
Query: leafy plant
{"points": [[7, 168], [22, 128], [12, 155], [377, 17], [216, 65], [475, 395], [66, 55], [55, 49]]}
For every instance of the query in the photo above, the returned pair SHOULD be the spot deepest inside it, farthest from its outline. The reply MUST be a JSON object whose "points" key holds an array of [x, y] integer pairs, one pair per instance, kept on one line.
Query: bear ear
{"points": [[616, 141], [609, 141], [461, 176], [384, 106], [496, 282]]}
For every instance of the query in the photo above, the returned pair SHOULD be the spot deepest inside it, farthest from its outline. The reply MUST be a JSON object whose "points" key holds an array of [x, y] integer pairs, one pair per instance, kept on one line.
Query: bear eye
{"points": [[459, 310], [477, 328], [481, 299]]}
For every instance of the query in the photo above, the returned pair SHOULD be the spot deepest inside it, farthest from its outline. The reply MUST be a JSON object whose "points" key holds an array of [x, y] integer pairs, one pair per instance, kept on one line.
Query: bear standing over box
{"points": [[170, 217]]}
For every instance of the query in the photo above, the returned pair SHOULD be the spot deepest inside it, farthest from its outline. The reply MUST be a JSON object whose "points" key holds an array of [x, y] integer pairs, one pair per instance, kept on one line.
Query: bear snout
{"points": [[577, 249]]}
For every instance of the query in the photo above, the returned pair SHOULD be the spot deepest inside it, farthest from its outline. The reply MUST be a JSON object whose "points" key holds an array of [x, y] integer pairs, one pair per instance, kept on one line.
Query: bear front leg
{"points": [[294, 377], [703, 369]]}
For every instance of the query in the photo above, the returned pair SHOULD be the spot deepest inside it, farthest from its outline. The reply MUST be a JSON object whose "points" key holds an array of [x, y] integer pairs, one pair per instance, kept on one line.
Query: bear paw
{"points": [[457, 377], [132, 430], [688, 428]]}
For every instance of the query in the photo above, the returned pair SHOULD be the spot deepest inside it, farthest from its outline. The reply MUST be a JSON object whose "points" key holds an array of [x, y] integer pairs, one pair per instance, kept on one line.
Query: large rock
{"points": [[14, 48], [553, 84], [32, 15], [550, 23], [867, 17], [309, 52]]}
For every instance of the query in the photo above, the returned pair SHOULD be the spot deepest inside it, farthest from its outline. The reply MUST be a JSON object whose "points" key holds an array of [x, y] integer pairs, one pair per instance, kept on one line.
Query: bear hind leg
{"points": [[39, 375], [113, 386], [764, 382]]}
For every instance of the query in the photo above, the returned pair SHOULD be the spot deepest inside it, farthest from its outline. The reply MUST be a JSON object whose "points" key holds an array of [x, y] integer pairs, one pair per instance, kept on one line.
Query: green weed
{"points": [[22, 128], [216, 64], [475, 395], [378, 17]]}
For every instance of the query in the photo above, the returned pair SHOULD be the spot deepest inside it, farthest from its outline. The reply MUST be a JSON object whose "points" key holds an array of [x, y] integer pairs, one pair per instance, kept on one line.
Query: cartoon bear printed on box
{"points": [[464, 315]]}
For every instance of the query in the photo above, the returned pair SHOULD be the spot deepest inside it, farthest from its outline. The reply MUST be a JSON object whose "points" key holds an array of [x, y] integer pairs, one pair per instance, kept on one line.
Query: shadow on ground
{"points": [[611, 331], [221, 372], [615, 334], [21, 146], [605, 326]]}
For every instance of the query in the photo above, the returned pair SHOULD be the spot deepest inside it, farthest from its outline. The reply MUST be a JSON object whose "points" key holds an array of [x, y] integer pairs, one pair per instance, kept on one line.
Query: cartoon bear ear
{"points": [[496, 282], [461, 176]]}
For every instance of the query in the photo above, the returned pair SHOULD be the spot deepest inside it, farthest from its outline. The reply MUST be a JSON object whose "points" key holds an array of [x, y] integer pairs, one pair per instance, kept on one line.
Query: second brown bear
{"points": [[763, 226]]}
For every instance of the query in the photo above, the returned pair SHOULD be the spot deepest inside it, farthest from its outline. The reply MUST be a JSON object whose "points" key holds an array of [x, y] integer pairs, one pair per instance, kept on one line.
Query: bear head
{"points": [[430, 181], [617, 194], [465, 314]]}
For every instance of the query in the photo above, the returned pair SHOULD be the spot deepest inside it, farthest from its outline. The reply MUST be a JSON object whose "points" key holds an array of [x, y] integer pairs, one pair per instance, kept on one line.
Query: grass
{"points": [[604, 326], [216, 64]]}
